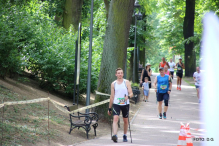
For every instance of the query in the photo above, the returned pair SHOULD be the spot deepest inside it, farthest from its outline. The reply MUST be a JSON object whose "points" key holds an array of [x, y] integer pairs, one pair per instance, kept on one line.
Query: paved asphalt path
{"points": [[147, 129]]}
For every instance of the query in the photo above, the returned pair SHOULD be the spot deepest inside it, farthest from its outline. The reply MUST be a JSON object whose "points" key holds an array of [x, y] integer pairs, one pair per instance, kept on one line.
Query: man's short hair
{"points": [[118, 69], [146, 78]]}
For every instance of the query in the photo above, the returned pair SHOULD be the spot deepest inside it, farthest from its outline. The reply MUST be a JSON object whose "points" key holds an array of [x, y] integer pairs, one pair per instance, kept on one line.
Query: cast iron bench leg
{"points": [[95, 126]]}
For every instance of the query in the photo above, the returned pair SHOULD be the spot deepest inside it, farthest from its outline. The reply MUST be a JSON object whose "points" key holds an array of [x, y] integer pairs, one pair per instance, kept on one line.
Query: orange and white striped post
{"points": [[182, 136], [188, 136]]}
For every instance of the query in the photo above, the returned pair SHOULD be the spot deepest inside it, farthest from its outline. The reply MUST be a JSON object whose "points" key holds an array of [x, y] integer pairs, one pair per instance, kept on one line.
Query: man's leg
{"points": [[166, 105], [197, 92], [165, 108], [125, 125], [166, 100], [115, 124], [125, 114], [116, 113], [177, 81], [160, 106]]}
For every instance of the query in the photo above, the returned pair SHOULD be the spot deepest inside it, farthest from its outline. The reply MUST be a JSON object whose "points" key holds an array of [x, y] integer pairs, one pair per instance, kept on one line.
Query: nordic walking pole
{"points": [[129, 124], [130, 130], [111, 126]]}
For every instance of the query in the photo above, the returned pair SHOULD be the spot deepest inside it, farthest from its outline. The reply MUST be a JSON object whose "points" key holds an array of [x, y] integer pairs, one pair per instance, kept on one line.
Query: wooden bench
{"points": [[83, 120]]}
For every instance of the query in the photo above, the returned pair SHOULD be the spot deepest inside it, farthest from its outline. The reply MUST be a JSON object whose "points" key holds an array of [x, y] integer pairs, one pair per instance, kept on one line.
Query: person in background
{"points": [[166, 71], [197, 77], [147, 72], [172, 66], [140, 65], [163, 63], [145, 88], [163, 86], [179, 73]]}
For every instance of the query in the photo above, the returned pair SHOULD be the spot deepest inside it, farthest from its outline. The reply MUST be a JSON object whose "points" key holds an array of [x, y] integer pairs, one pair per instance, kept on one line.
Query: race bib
{"points": [[179, 68], [163, 87], [121, 100]]}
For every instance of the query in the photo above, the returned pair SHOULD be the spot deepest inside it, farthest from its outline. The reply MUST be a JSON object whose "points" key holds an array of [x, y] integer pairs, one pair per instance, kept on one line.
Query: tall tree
{"points": [[116, 42], [188, 31], [72, 13], [107, 3]]}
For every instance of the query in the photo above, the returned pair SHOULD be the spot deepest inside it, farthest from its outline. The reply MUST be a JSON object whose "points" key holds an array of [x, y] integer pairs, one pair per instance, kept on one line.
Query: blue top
{"points": [[146, 86], [162, 84]]}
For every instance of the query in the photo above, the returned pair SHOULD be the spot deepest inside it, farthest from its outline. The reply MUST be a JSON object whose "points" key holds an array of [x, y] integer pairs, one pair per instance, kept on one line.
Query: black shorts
{"points": [[162, 96], [172, 73], [180, 75], [123, 108]]}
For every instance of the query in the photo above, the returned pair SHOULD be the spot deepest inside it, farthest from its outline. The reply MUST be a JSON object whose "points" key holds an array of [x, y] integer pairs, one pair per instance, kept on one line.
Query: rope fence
{"points": [[25, 121]]}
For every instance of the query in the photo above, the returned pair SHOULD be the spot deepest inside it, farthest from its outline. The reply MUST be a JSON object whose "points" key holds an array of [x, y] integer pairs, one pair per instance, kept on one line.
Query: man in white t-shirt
{"points": [[172, 66], [197, 77], [120, 91]]}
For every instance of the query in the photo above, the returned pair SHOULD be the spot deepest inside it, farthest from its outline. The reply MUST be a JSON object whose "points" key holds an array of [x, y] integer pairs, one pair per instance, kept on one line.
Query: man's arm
{"points": [[183, 66], [170, 85], [194, 78], [168, 65], [129, 89], [112, 95]]}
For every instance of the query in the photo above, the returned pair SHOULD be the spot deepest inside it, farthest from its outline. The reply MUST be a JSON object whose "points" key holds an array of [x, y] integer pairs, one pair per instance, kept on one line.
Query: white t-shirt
{"points": [[146, 86], [197, 78], [172, 66], [120, 91]]}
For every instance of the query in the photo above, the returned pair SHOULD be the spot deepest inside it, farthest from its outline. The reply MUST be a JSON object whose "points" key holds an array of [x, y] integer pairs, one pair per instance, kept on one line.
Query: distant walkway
{"points": [[147, 129]]}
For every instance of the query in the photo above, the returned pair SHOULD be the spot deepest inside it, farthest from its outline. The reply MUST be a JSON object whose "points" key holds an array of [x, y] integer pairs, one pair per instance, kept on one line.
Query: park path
{"points": [[147, 129]]}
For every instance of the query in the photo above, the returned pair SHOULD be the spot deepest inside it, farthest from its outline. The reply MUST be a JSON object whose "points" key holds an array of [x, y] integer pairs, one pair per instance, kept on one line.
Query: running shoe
{"points": [[160, 116], [115, 138], [179, 88], [145, 100], [125, 138], [164, 115]]}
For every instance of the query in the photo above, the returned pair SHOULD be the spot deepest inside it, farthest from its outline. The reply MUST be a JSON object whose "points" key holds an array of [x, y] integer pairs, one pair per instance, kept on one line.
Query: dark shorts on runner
{"points": [[162, 96], [123, 108], [179, 75], [196, 86], [172, 73]]}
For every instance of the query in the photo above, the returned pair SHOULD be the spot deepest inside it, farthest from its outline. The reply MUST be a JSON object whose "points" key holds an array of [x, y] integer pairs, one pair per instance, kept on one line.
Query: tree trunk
{"points": [[188, 31], [115, 43], [130, 67], [72, 14], [107, 4], [142, 57]]}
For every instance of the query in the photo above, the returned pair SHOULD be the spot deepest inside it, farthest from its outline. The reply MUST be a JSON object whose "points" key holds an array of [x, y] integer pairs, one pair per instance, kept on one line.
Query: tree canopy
{"points": [[34, 38]]}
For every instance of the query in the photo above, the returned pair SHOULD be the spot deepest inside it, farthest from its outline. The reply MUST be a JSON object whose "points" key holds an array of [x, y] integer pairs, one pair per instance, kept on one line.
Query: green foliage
{"points": [[31, 39]]}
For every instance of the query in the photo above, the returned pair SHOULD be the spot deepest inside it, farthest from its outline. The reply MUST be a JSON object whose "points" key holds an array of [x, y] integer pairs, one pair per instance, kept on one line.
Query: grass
{"points": [[27, 123], [189, 81]]}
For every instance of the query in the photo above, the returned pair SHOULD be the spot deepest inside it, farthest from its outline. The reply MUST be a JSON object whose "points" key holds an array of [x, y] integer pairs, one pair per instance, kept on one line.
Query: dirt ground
{"points": [[31, 90]]}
